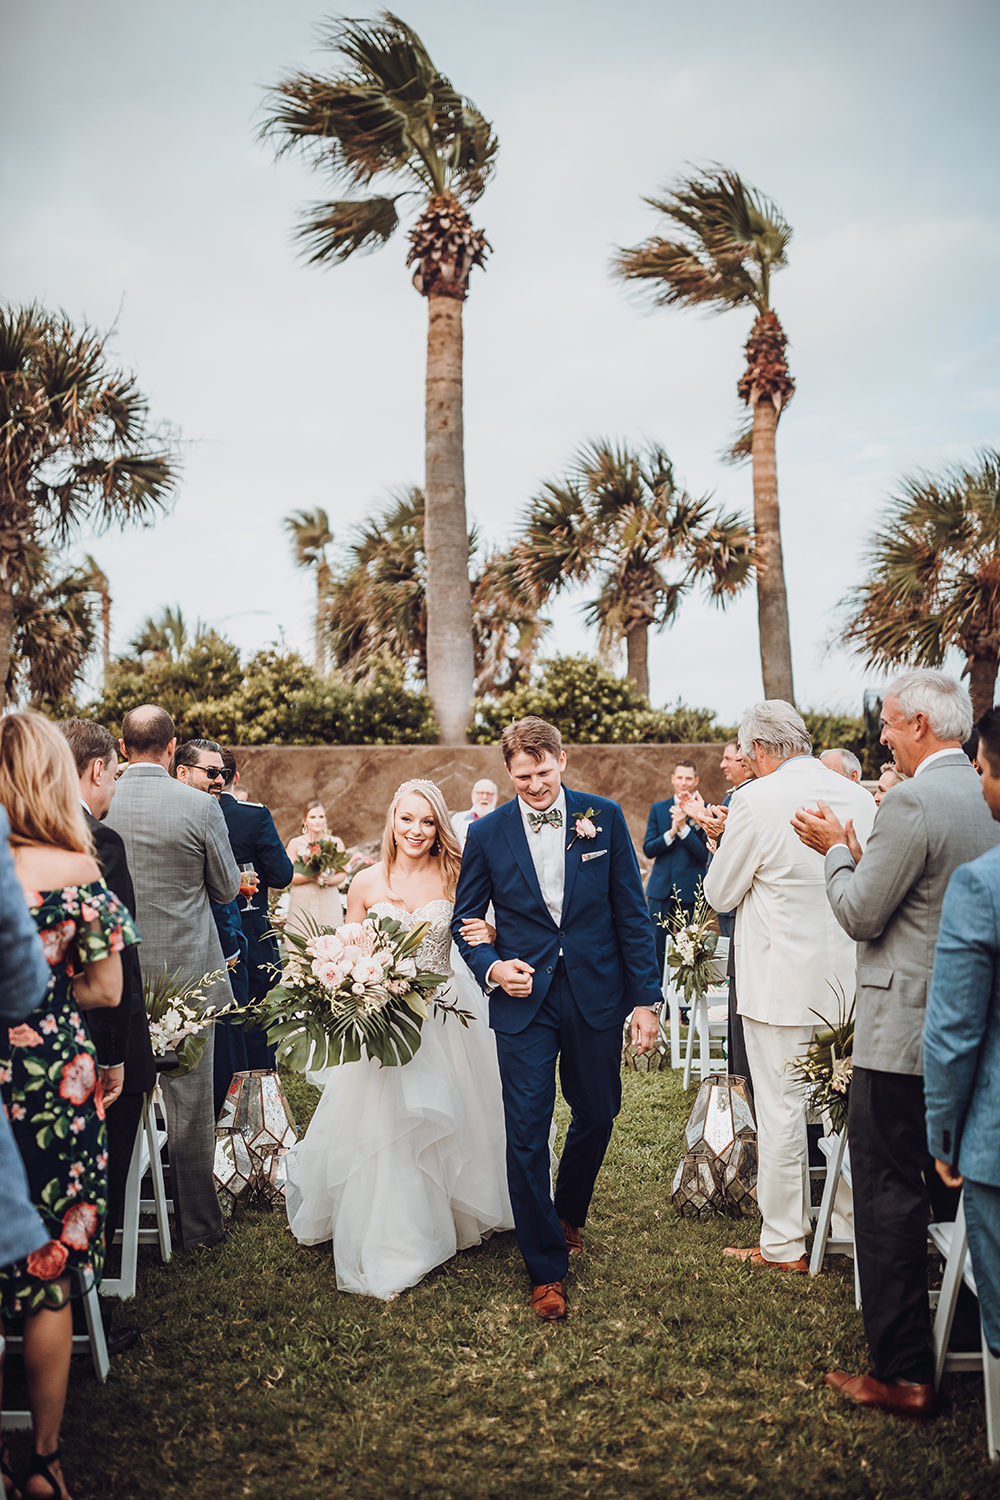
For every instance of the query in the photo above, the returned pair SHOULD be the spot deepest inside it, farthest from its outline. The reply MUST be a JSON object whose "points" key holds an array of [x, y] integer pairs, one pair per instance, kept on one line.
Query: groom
{"points": [[573, 955]]}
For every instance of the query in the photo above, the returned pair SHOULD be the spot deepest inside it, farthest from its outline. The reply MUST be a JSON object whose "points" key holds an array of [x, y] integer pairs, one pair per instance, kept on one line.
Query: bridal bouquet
{"points": [[323, 858], [691, 948], [827, 1064], [358, 986], [176, 1024]]}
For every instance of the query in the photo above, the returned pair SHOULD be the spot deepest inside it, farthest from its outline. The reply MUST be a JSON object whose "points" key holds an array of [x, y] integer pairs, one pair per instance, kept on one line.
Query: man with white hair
{"points": [[843, 762], [890, 901], [792, 958], [484, 800]]}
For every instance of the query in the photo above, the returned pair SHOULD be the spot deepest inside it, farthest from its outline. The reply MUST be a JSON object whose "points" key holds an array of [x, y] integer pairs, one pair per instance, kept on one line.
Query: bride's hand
{"points": [[476, 931]]}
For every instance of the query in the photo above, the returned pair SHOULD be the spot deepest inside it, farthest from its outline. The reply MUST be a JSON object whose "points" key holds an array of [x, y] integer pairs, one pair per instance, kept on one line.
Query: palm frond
{"points": [[334, 231]]}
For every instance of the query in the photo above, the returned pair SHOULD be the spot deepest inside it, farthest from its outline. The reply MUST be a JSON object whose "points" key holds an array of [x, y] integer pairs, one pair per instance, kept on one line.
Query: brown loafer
{"points": [[548, 1301], [574, 1242], [754, 1258], [913, 1401]]}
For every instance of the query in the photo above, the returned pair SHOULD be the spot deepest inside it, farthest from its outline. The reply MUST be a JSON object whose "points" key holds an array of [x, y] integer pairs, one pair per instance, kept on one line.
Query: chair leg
{"points": [[689, 1049], [991, 1380], [825, 1214], [124, 1284], [152, 1134], [950, 1287], [95, 1329]]}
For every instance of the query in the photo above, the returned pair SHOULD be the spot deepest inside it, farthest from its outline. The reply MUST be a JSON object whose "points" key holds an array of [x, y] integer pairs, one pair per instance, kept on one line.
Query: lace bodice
{"points": [[434, 952]]}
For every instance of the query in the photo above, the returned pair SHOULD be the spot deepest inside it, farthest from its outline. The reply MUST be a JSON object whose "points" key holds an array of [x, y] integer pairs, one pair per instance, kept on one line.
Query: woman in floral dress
{"points": [[49, 1078]]}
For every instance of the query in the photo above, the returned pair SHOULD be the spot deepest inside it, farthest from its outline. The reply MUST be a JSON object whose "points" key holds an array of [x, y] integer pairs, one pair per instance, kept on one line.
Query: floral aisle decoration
{"points": [[178, 1018], [691, 948], [826, 1066], [353, 988]]}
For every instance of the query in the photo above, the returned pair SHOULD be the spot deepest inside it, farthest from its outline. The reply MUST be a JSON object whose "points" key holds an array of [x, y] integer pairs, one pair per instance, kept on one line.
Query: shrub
{"points": [[589, 705]]}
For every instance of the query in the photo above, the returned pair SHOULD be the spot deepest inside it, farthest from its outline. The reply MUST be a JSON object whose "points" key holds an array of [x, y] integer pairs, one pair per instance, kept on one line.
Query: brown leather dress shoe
{"points": [[574, 1242], [549, 1301], [754, 1257], [914, 1401]]}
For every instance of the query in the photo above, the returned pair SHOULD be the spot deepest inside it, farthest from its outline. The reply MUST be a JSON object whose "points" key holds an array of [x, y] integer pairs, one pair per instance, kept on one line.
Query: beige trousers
{"points": [[782, 1146]]}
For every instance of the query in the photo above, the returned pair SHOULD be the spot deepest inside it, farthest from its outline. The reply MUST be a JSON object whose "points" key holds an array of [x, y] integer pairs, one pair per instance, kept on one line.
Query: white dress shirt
{"points": [[548, 855]]}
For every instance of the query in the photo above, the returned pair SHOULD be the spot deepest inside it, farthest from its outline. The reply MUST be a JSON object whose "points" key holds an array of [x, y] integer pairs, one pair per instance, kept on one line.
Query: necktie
{"points": [[553, 816]]}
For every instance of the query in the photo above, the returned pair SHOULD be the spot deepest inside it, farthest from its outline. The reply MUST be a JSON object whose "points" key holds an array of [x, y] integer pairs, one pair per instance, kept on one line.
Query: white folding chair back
{"points": [[149, 1141], [92, 1342], [952, 1242]]}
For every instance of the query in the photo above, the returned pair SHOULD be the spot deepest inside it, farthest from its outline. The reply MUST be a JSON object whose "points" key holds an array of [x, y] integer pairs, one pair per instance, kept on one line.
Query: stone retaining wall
{"points": [[356, 782]]}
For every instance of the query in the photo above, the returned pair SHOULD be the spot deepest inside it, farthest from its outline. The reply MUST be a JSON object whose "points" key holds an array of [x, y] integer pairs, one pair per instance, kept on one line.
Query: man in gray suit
{"points": [[890, 902], [179, 854]]}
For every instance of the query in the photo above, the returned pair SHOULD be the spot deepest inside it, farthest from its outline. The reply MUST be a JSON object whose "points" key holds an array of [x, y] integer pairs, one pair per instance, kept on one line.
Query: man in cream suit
{"points": [[890, 901], [792, 958], [180, 858]]}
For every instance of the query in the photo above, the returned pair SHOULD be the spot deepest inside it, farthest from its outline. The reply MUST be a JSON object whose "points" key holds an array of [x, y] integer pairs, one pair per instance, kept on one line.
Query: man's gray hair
{"points": [[777, 727], [848, 760], [945, 702]]}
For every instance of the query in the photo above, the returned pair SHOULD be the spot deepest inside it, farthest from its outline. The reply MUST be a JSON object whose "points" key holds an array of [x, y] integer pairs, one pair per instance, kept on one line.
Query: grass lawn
{"points": [[676, 1374]]}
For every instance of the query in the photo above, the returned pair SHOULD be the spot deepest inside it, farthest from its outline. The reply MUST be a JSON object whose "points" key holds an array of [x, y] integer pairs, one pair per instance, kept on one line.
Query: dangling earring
{"points": [[436, 846]]}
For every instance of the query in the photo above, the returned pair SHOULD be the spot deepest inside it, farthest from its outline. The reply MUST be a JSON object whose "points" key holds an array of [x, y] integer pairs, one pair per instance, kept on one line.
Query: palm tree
{"points": [[619, 517], [731, 238], [391, 115], [167, 636], [934, 577], [101, 587], [378, 604], [311, 535], [75, 448], [53, 631]]}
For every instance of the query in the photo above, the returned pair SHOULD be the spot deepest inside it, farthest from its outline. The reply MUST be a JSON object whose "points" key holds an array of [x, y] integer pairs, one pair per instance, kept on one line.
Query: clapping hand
{"points": [[821, 829], [713, 820]]}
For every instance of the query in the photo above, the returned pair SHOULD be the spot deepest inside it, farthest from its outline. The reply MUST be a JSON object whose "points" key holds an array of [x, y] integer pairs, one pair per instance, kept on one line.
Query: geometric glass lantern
{"points": [[696, 1192], [721, 1132], [257, 1116]]}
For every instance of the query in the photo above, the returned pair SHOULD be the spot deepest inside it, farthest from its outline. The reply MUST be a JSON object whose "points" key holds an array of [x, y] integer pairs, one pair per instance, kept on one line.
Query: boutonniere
{"points": [[585, 829]]}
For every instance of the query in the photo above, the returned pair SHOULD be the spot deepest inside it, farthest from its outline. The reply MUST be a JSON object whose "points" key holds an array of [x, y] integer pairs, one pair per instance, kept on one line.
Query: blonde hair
{"points": [[445, 847], [39, 785]]}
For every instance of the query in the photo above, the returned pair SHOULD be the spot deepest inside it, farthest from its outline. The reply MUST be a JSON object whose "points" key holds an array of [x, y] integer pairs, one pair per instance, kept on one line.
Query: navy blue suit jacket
{"points": [[254, 839], [605, 935], [681, 863]]}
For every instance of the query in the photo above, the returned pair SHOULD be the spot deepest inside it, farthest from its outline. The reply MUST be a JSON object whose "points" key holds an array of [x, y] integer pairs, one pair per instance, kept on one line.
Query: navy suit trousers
{"points": [[590, 1077]]}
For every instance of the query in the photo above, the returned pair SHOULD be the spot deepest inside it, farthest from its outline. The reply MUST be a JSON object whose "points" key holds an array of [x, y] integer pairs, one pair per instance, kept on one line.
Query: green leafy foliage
{"points": [[834, 731], [276, 698], [591, 706]]}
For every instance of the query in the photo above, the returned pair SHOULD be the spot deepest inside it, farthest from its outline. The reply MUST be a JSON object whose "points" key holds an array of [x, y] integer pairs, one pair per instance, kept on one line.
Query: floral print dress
{"points": [[52, 1095]]}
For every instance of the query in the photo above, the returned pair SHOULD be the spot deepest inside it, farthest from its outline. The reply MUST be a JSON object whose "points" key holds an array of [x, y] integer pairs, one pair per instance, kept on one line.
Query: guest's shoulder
{"points": [[106, 837]]}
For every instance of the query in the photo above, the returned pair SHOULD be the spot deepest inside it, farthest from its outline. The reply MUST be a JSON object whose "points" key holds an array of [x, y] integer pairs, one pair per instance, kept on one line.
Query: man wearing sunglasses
{"points": [[181, 861]]}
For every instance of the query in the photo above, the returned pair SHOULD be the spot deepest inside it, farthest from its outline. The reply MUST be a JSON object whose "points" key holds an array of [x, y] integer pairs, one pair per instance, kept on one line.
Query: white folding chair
{"points": [[701, 1025], [838, 1165], [149, 1141], [952, 1242], [92, 1341]]}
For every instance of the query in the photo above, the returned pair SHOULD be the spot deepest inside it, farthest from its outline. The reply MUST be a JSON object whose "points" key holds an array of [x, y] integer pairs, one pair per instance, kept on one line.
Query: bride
{"points": [[402, 1167]]}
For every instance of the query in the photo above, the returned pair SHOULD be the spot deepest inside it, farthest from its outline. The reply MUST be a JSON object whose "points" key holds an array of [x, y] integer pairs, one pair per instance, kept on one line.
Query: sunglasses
{"points": [[214, 773]]}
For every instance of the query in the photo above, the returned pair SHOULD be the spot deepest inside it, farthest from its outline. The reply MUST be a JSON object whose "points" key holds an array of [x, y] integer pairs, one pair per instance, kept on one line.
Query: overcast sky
{"points": [[135, 192]]}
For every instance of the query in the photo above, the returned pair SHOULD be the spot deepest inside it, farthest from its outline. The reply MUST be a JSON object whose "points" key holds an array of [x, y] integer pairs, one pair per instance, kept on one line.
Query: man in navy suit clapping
{"points": [[678, 847]]}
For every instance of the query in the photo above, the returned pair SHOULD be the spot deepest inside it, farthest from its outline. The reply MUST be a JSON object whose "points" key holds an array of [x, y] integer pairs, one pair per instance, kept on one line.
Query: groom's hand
{"points": [[645, 1029], [512, 975]]}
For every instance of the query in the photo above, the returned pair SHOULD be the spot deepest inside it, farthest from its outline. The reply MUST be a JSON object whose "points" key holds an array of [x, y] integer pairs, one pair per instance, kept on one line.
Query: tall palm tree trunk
{"points": [[982, 683], [6, 638], [106, 633], [450, 674], [637, 644], [322, 611], [772, 602]]}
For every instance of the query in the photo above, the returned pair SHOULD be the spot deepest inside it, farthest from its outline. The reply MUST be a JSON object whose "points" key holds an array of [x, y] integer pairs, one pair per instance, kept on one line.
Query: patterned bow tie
{"points": [[553, 816]]}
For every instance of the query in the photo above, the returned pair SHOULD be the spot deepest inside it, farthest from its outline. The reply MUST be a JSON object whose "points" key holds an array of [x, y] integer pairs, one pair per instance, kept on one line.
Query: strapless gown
{"points": [[403, 1167]]}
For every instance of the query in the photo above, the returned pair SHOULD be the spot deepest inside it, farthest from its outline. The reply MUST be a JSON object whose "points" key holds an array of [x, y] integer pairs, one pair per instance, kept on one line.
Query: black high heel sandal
{"points": [[40, 1465], [7, 1473]]}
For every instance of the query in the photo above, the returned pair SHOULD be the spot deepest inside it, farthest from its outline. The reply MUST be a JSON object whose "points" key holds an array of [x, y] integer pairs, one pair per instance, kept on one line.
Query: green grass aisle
{"points": [[676, 1375]]}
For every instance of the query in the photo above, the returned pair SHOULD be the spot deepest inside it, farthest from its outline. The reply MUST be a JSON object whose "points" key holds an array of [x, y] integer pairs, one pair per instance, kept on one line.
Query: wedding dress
{"points": [[402, 1167]]}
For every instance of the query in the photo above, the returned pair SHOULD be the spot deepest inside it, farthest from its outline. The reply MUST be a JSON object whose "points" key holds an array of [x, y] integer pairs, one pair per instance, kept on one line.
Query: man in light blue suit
{"points": [[962, 1045]]}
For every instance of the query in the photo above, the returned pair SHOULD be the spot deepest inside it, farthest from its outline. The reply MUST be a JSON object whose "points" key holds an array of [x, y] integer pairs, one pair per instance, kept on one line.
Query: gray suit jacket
{"points": [[891, 903], [178, 852]]}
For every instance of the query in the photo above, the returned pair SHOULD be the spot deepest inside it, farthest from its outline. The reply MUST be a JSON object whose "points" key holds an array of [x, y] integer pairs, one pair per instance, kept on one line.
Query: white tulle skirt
{"points": [[402, 1167]]}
